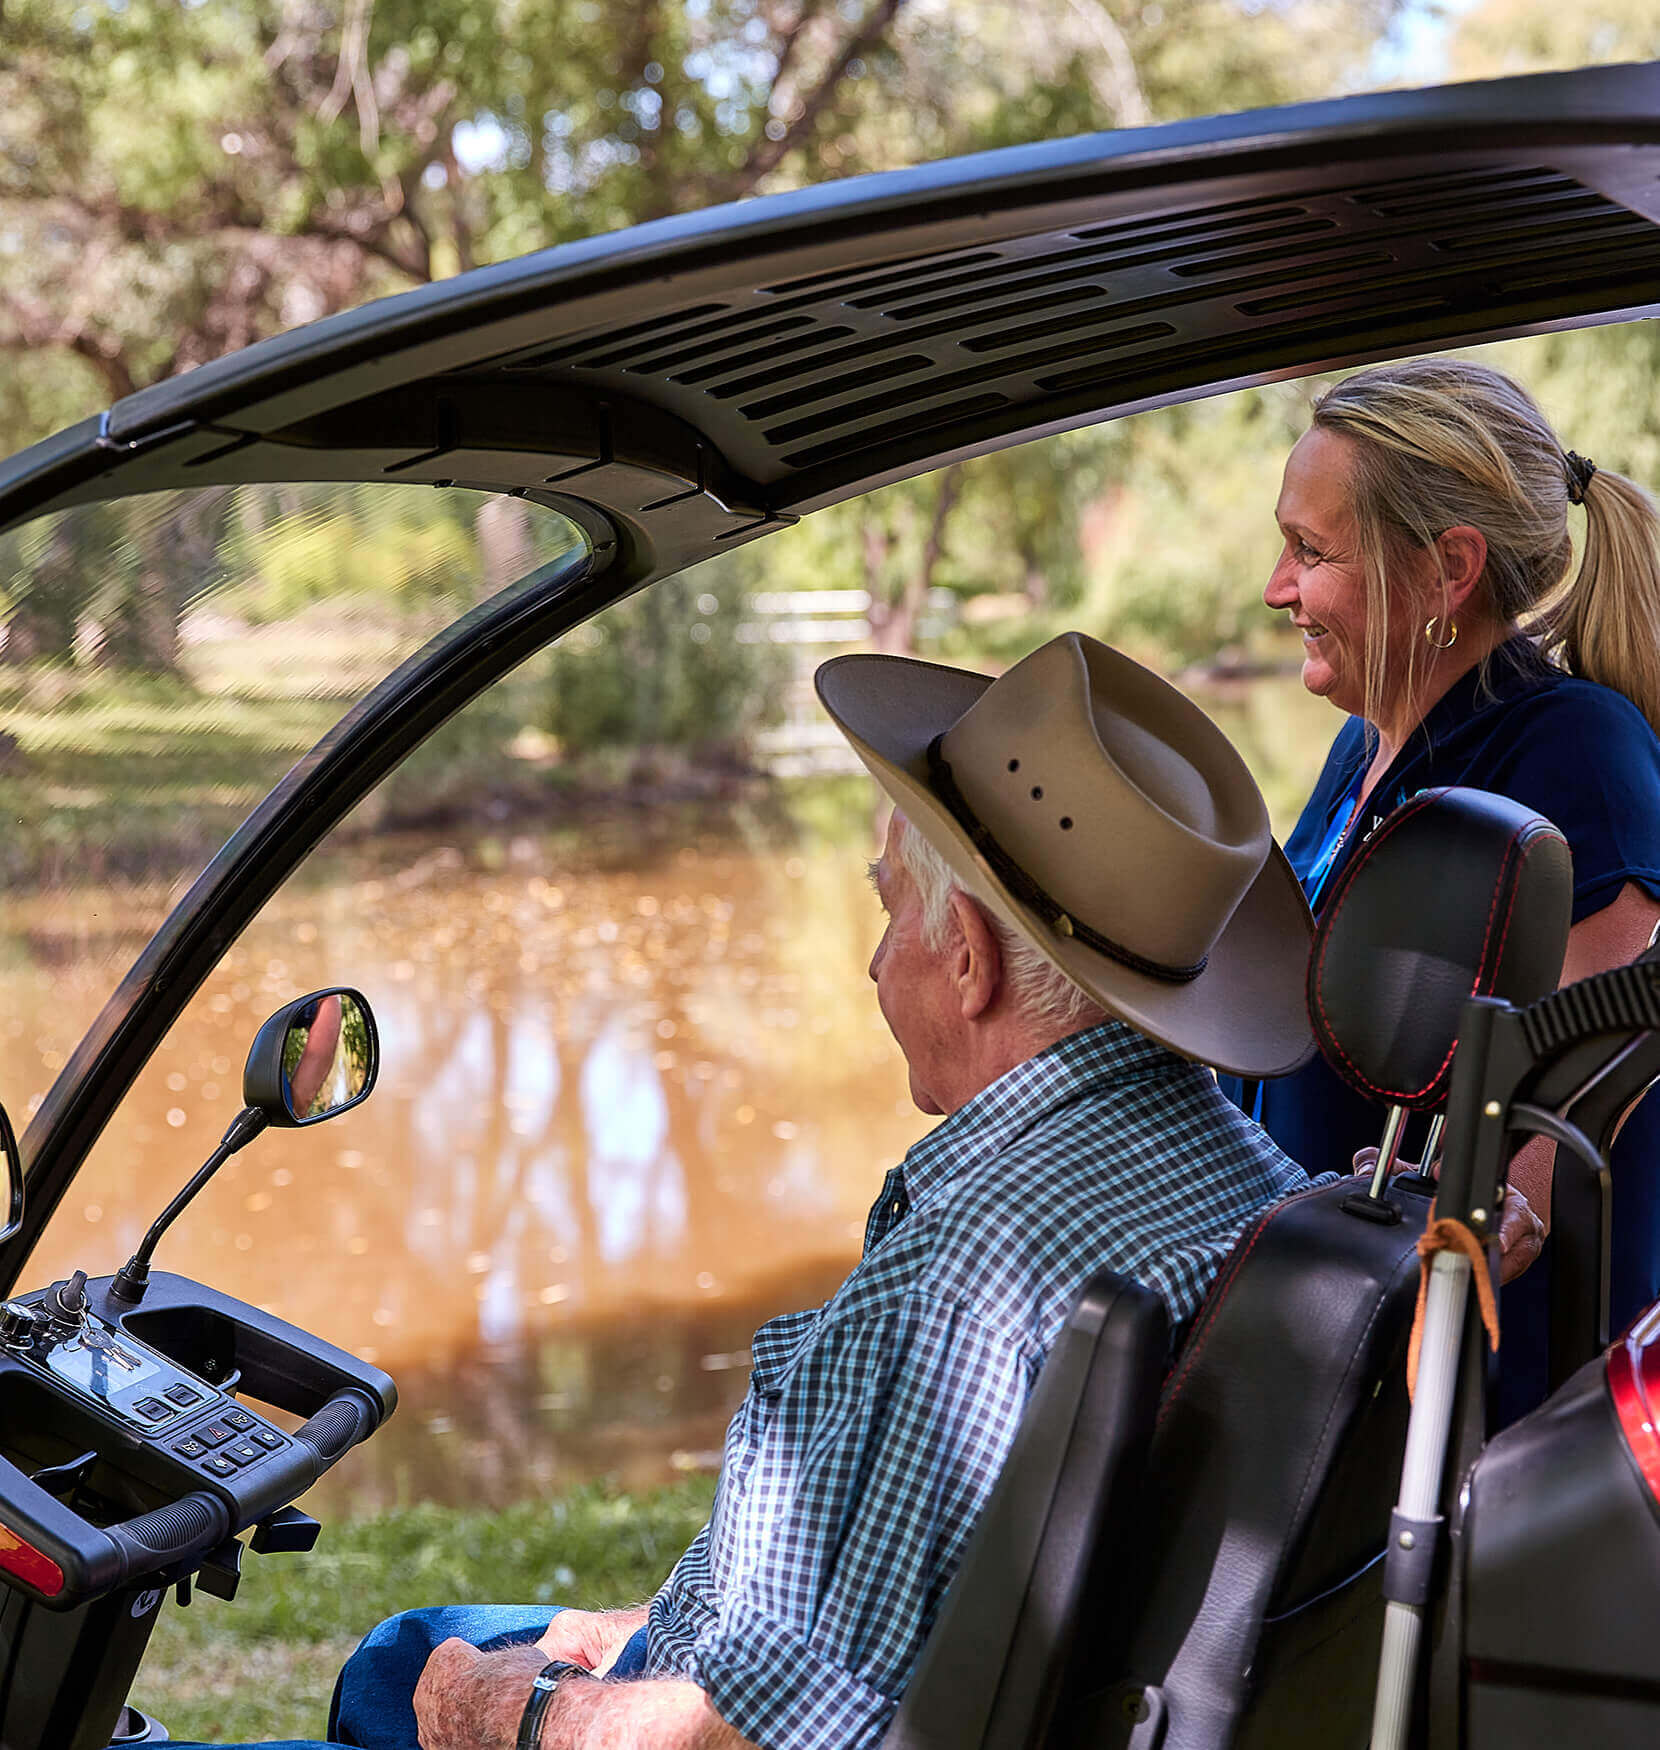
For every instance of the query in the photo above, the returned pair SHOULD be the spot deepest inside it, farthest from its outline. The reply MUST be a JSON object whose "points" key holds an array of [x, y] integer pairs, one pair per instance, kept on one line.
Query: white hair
{"points": [[1042, 993]]}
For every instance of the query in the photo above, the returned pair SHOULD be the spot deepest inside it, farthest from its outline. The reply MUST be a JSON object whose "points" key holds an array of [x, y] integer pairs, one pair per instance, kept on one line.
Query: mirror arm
{"points": [[134, 1275]]}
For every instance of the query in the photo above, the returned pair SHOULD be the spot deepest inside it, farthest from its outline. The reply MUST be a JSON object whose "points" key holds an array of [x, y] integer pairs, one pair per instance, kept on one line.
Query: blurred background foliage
{"points": [[178, 179]]}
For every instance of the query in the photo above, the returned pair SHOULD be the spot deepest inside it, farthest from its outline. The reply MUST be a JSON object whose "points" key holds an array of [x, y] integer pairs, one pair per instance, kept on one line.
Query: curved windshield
{"points": [[163, 661]]}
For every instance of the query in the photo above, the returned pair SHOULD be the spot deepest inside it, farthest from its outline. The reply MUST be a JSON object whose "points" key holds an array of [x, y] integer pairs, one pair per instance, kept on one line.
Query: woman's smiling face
{"points": [[1319, 577]]}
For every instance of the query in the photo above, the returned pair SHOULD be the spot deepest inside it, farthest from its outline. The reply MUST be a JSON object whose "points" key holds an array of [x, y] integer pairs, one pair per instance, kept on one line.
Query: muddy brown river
{"points": [[623, 1116]]}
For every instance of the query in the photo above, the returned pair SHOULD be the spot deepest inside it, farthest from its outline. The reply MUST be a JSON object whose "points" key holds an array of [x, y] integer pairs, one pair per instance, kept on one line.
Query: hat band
{"points": [[1029, 893]]}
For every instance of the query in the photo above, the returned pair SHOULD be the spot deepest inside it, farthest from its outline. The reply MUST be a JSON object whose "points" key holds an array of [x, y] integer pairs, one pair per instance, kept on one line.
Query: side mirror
{"points": [[12, 1189], [312, 1060], [316, 1057]]}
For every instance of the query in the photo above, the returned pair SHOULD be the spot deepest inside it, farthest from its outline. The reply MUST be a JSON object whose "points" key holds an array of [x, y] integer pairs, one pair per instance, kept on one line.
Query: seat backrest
{"points": [[1276, 1457], [1271, 1475], [1060, 1522]]}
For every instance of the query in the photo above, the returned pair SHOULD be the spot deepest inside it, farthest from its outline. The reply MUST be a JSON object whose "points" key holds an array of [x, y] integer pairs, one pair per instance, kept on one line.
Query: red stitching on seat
{"points": [[1219, 1293], [1339, 899], [1508, 883], [1527, 836], [1503, 884], [1550, 835]]}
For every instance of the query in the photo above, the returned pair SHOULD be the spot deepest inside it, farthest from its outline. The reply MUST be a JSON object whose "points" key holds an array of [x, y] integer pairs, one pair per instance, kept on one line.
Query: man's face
{"points": [[914, 985]]}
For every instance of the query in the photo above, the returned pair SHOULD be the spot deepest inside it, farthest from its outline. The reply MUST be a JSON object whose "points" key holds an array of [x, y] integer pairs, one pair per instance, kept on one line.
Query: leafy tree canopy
{"points": [[178, 179]]}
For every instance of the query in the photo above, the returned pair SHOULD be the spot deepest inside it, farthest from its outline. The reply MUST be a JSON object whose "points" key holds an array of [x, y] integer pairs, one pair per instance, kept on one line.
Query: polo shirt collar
{"points": [[1513, 670]]}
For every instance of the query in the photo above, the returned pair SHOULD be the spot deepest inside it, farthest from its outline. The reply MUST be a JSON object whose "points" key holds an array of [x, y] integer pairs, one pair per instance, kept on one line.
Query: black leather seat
{"points": [[1224, 1576], [1266, 1501], [1057, 1538]]}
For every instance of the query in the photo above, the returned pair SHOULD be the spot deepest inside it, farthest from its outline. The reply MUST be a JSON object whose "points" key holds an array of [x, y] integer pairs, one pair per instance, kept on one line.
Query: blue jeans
{"points": [[373, 1695]]}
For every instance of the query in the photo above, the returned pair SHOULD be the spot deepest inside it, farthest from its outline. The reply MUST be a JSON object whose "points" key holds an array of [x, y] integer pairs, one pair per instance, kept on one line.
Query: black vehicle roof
{"points": [[704, 378]]}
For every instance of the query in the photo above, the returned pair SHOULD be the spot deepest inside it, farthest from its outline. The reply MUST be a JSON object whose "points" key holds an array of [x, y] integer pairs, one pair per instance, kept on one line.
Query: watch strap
{"points": [[540, 1699]]}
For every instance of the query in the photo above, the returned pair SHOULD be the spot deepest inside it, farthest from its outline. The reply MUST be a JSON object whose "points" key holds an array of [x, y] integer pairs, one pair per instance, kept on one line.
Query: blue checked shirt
{"points": [[876, 1425]]}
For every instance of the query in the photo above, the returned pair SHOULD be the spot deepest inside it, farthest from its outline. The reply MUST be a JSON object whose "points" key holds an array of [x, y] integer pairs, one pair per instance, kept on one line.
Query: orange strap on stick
{"points": [[1447, 1235]]}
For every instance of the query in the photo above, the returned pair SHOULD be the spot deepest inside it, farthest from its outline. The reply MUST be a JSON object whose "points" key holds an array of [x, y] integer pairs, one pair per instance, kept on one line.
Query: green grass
{"points": [[129, 775], [264, 1665]]}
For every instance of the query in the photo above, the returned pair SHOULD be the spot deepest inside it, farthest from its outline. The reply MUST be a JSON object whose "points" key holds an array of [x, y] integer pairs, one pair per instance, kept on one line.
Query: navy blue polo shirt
{"points": [[1585, 757]]}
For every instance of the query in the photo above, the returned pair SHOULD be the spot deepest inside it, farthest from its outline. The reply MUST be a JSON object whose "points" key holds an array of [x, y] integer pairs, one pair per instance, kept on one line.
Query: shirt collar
{"points": [[1512, 670], [1075, 1065]]}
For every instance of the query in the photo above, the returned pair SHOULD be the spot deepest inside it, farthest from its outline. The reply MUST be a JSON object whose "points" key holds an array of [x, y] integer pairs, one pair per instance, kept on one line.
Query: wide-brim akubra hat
{"points": [[1102, 815]]}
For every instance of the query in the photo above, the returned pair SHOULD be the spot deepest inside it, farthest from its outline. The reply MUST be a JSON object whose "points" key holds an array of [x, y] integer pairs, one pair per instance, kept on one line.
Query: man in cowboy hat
{"points": [[1083, 898]]}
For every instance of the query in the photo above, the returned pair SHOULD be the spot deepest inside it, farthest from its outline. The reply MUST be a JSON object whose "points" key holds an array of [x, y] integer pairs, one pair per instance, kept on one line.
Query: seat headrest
{"points": [[1457, 894]]}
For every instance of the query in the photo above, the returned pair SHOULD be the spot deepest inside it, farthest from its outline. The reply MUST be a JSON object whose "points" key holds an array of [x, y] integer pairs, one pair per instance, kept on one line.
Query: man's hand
{"points": [[468, 1700], [592, 1638], [316, 1057]]}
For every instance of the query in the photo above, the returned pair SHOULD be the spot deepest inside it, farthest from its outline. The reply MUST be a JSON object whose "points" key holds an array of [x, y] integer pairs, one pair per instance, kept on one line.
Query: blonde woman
{"points": [[1428, 562]]}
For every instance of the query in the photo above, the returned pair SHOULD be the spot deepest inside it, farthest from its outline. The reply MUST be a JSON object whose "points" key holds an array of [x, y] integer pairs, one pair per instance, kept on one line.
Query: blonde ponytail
{"points": [[1605, 624]]}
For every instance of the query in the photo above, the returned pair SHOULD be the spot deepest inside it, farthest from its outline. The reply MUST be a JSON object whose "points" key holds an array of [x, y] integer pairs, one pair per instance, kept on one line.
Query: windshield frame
{"points": [[321, 788]]}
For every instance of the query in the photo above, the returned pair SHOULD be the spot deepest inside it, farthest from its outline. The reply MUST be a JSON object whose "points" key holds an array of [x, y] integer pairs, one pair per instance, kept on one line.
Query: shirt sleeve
{"points": [[881, 1448], [1585, 758]]}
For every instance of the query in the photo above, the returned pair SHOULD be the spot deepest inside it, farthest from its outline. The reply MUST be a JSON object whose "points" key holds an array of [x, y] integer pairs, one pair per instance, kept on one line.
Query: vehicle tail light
{"points": [[19, 1557], [1634, 1386]]}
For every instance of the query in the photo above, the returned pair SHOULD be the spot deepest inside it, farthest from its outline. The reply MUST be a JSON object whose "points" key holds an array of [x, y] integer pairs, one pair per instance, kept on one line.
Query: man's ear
{"points": [[978, 968], [1463, 553]]}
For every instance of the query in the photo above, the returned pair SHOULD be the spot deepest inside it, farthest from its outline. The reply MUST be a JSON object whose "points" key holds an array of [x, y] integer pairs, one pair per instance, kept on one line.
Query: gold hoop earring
{"points": [[1429, 633]]}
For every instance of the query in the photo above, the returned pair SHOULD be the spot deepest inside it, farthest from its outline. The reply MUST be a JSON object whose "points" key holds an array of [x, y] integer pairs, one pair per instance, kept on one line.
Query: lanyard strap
{"points": [[1347, 812]]}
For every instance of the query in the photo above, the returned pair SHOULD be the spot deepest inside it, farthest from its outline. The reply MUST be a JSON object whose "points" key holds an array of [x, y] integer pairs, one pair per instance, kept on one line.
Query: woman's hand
{"points": [[1521, 1232], [1521, 1235]]}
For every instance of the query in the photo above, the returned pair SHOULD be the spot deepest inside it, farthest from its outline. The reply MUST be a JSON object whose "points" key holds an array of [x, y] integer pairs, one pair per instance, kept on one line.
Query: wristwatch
{"points": [[540, 1699]]}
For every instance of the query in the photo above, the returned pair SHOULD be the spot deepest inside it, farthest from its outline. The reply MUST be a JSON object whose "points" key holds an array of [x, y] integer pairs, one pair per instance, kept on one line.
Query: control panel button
{"points": [[219, 1465], [267, 1437], [239, 1419], [189, 1447], [214, 1433], [182, 1395], [243, 1452], [19, 1324], [153, 1408]]}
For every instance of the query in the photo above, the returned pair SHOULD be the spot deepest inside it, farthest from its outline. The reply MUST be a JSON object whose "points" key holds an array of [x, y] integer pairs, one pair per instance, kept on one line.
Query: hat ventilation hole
{"points": [[1037, 792], [1066, 823], [1014, 765]]}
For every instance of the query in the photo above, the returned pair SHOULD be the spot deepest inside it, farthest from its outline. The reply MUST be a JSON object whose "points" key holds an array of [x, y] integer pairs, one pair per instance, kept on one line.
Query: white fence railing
{"points": [[806, 744]]}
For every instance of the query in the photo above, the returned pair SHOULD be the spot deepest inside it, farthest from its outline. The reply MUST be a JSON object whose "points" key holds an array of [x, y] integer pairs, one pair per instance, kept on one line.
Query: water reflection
{"points": [[622, 1117], [632, 1103], [642, 1200]]}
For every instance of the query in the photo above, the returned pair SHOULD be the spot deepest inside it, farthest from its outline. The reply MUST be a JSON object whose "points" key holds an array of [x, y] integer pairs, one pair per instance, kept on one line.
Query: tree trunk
{"points": [[143, 631], [893, 624], [41, 627]]}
